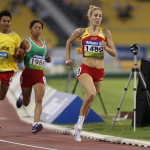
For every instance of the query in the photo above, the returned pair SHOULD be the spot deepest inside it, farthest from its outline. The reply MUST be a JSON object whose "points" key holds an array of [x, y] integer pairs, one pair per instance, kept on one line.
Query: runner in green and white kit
{"points": [[35, 58], [33, 75]]}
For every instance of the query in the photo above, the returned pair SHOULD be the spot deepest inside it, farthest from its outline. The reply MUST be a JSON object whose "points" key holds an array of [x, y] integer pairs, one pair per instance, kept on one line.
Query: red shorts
{"points": [[29, 77], [96, 74], [6, 77]]}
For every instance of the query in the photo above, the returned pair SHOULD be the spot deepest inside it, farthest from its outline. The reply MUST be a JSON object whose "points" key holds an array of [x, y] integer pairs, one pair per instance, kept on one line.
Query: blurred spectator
{"points": [[105, 20], [97, 3], [32, 5], [82, 7], [23, 2], [123, 12], [66, 2], [117, 5], [43, 14], [13, 6], [128, 8], [144, 0]]}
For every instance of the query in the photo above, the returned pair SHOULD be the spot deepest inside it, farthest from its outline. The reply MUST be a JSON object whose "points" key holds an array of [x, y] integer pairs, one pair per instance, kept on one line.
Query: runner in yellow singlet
{"points": [[9, 51]]}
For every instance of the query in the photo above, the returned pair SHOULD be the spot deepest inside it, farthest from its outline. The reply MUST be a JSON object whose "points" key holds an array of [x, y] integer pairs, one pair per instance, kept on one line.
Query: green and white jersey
{"points": [[35, 56]]}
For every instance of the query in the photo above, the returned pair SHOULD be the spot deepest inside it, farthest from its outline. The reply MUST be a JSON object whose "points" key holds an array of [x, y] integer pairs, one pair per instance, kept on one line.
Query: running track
{"points": [[16, 135]]}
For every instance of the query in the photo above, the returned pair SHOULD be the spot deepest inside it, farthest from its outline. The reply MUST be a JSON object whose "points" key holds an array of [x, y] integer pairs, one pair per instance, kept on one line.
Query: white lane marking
{"points": [[3, 118], [26, 145]]}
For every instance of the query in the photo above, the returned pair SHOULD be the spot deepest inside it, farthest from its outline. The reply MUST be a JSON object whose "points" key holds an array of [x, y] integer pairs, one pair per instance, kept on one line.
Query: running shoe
{"points": [[77, 128], [37, 128], [19, 101]]}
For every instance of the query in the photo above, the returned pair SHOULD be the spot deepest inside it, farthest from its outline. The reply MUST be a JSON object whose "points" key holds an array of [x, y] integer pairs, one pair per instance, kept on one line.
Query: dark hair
{"points": [[5, 13], [35, 21]]}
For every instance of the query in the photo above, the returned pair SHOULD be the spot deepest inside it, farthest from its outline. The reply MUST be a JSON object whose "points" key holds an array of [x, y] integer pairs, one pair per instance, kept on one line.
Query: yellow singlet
{"points": [[8, 43]]}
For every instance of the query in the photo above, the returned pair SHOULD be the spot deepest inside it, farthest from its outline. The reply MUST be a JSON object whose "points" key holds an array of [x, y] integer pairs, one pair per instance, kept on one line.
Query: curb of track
{"points": [[64, 130]]}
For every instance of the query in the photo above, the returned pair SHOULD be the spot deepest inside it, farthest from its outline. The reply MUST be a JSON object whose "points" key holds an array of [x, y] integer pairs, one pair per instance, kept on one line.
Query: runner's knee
{"points": [[39, 100], [91, 95], [2, 97], [26, 102]]}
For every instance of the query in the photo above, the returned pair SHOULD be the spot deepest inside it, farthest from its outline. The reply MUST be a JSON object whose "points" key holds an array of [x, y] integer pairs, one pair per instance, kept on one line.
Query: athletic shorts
{"points": [[6, 77], [96, 74], [29, 77]]}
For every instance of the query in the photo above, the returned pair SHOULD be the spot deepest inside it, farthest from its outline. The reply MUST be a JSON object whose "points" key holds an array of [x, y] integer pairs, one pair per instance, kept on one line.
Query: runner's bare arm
{"points": [[76, 34], [22, 50], [109, 45]]}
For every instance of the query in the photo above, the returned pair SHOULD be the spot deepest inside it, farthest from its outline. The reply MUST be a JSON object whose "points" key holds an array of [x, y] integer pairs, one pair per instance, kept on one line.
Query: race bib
{"points": [[93, 48], [37, 60], [79, 71], [44, 80]]}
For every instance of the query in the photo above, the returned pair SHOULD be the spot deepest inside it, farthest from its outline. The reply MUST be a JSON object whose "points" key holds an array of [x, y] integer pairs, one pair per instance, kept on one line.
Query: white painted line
{"points": [[26, 145], [3, 118]]}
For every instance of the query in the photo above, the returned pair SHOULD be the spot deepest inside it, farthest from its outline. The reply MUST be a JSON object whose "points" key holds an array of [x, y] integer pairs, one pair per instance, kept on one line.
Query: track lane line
{"points": [[26, 145]]}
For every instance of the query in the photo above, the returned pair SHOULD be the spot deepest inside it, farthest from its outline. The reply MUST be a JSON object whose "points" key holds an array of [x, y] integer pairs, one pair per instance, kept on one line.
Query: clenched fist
{"points": [[21, 52], [69, 62], [48, 59]]}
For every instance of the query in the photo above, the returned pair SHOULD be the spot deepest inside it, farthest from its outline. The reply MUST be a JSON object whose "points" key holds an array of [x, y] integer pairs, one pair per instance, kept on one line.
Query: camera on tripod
{"points": [[134, 49]]}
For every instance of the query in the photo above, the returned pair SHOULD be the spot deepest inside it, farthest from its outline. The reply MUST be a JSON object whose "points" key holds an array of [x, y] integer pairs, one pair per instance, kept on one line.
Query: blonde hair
{"points": [[92, 8]]}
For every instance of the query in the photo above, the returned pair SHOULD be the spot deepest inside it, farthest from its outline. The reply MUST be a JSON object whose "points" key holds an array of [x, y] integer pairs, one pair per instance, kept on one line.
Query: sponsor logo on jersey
{"points": [[5, 48], [3, 55], [93, 38], [95, 43]]}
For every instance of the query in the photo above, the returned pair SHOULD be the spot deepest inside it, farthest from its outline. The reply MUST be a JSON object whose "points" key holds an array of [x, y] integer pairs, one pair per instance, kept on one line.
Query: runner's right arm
{"points": [[22, 50]]}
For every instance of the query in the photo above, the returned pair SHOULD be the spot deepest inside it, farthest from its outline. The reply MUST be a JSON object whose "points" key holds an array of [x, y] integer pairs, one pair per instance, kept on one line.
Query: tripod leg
{"points": [[68, 80], [75, 86], [125, 89], [144, 84], [134, 100], [102, 103], [73, 91]]}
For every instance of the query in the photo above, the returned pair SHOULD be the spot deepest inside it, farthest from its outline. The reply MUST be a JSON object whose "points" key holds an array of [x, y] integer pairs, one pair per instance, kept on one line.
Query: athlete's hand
{"points": [[104, 45], [48, 59], [69, 62], [21, 52]]}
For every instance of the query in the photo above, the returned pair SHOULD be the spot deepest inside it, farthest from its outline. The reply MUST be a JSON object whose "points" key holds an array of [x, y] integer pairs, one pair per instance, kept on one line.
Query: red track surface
{"points": [[14, 133]]}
